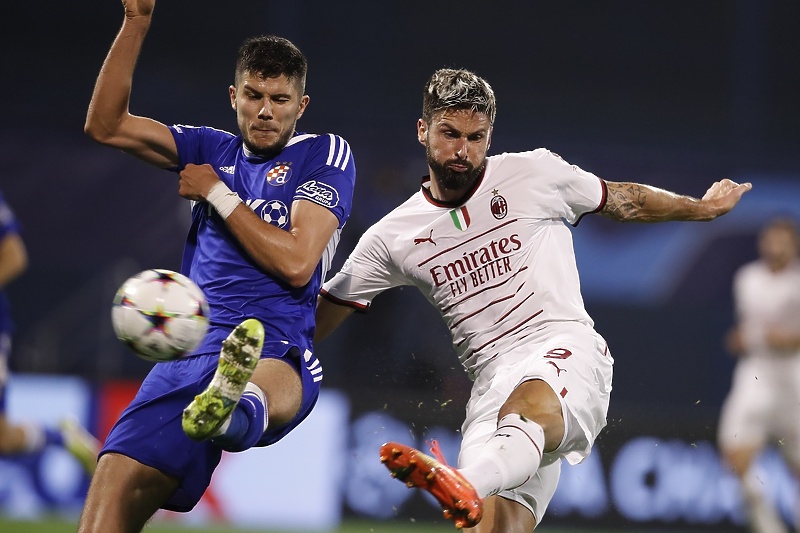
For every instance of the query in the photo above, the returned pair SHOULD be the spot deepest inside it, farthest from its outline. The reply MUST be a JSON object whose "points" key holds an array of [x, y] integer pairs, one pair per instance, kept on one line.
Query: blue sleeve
{"points": [[197, 144], [331, 177]]}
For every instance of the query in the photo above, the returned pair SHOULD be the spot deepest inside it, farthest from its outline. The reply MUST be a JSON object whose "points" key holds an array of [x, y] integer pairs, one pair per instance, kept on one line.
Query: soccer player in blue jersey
{"points": [[268, 206], [28, 437]]}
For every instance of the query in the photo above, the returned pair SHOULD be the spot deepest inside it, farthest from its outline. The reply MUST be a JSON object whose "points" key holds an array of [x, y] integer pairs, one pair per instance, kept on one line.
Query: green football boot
{"points": [[237, 362]]}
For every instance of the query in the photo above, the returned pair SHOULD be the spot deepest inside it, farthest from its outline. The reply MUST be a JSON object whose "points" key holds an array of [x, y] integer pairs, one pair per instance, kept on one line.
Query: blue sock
{"points": [[247, 423]]}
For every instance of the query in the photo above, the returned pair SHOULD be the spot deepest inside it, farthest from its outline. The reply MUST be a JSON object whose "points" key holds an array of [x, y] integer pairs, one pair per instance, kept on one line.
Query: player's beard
{"points": [[450, 179], [271, 150]]}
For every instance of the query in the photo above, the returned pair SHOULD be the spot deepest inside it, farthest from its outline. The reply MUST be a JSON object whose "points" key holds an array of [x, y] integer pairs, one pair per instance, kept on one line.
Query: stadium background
{"points": [[676, 94]]}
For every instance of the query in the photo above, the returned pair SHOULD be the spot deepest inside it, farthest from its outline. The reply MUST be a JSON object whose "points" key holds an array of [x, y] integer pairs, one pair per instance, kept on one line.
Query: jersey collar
{"points": [[426, 192]]}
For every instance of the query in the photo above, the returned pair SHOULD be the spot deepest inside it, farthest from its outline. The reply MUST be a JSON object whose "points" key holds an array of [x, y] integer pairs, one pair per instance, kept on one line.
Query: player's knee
{"points": [[532, 399]]}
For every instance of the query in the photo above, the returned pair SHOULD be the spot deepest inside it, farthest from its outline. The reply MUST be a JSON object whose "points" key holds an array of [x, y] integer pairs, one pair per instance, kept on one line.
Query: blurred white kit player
{"points": [[762, 406]]}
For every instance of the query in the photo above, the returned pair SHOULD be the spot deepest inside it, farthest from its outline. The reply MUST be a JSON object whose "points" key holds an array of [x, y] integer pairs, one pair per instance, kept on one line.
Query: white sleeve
{"points": [[579, 192], [367, 272]]}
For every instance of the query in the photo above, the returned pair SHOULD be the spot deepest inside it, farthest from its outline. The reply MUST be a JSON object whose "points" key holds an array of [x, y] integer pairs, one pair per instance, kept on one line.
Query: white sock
{"points": [[764, 517], [509, 458]]}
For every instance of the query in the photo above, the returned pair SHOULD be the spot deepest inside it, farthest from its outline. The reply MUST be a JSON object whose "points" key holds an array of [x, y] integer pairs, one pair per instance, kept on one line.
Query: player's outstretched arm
{"points": [[634, 202], [108, 119], [329, 317]]}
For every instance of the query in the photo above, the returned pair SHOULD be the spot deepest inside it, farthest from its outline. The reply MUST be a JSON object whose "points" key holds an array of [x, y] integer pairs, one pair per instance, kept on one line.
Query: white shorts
{"points": [[762, 406], [574, 360]]}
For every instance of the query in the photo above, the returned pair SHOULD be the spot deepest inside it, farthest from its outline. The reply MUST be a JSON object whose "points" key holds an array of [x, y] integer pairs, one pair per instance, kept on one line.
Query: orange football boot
{"points": [[455, 494]]}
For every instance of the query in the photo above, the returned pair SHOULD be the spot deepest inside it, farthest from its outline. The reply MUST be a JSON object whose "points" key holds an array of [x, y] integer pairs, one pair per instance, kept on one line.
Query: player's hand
{"points": [[196, 181], [723, 195], [138, 8], [734, 342], [782, 340]]}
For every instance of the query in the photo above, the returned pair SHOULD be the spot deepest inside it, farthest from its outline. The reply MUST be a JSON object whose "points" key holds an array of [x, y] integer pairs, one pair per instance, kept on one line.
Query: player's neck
{"points": [[445, 195], [449, 195]]}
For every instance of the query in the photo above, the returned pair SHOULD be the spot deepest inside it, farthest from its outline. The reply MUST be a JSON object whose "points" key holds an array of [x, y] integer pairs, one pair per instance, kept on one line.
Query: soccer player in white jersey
{"points": [[485, 242], [761, 407], [268, 205]]}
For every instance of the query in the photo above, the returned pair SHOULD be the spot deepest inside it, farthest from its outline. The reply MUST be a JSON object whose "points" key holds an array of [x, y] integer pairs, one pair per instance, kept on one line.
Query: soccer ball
{"points": [[160, 314], [276, 213]]}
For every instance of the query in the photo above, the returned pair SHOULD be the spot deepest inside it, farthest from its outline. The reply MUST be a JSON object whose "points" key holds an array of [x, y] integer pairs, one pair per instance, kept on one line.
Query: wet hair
{"points": [[270, 56], [458, 89]]}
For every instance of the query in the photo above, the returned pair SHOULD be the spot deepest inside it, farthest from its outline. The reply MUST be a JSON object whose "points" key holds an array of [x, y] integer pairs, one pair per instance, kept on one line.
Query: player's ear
{"points": [[422, 131], [489, 138], [232, 93], [303, 103]]}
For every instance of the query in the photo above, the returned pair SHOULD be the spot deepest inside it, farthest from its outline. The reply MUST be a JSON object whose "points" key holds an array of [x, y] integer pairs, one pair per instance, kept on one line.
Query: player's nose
{"points": [[265, 113], [462, 148]]}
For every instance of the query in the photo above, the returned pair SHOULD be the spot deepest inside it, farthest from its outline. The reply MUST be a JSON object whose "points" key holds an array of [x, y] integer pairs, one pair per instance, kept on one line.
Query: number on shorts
{"points": [[558, 353]]}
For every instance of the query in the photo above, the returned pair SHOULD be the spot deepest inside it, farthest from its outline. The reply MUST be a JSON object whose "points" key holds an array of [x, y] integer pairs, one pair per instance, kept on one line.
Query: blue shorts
{"points": [[149, 430]]}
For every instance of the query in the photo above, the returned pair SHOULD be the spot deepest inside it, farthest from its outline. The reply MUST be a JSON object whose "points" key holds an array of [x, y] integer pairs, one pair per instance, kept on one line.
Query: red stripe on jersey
{"points": [[361, 308], [464, 299], [431, 258], [487, 343]]}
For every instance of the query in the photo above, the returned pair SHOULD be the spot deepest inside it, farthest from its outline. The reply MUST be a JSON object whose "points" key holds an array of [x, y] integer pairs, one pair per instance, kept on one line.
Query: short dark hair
{"points": [[783, 223], [270, 56], [458, 89]]}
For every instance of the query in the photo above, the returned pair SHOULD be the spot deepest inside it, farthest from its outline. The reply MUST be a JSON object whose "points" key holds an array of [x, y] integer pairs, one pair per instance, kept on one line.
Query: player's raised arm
{"points": [[634, 202], [109, 120]]}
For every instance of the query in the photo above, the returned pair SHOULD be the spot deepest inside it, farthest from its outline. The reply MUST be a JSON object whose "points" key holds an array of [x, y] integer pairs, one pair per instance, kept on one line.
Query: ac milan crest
{"points": [[499, 206]]}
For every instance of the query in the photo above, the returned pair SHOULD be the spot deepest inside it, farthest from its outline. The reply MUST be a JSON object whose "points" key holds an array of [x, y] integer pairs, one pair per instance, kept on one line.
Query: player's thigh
{"points": [[748, 412], [123, 495], [282, 387]]}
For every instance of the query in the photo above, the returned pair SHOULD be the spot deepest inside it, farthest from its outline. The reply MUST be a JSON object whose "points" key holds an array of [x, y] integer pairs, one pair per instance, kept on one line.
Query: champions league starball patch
{"points": [[279, 174]]}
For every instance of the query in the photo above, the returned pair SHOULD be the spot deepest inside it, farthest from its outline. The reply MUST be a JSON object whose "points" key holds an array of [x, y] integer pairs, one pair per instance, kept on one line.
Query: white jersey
{"points": [[764, 300], [762, 403], [499, 266]]}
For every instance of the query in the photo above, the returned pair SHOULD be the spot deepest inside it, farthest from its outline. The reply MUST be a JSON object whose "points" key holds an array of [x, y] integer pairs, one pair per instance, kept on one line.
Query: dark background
{"points": [[676, 94]]}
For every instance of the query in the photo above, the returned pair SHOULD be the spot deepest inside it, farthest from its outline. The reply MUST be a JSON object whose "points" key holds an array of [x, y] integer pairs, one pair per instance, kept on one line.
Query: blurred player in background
{"points": [[261, 281], [29, 437], [485, 242], [762, 406]]}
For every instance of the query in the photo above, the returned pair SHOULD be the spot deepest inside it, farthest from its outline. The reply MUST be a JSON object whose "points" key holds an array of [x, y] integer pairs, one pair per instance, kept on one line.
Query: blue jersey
{"points": [[8, 225], [315, 168]]}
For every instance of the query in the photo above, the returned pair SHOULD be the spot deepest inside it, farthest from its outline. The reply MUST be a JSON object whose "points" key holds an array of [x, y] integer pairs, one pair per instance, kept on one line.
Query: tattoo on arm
{"points": [[624, 200]]}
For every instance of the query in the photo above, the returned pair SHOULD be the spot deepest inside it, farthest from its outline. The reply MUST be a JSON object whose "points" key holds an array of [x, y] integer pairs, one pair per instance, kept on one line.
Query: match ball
{"points": [[160, 314]]}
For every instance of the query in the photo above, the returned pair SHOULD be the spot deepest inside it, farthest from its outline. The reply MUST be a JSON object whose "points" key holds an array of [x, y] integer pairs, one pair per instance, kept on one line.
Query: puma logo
{"points": [[429, 239], [558, 370]]}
